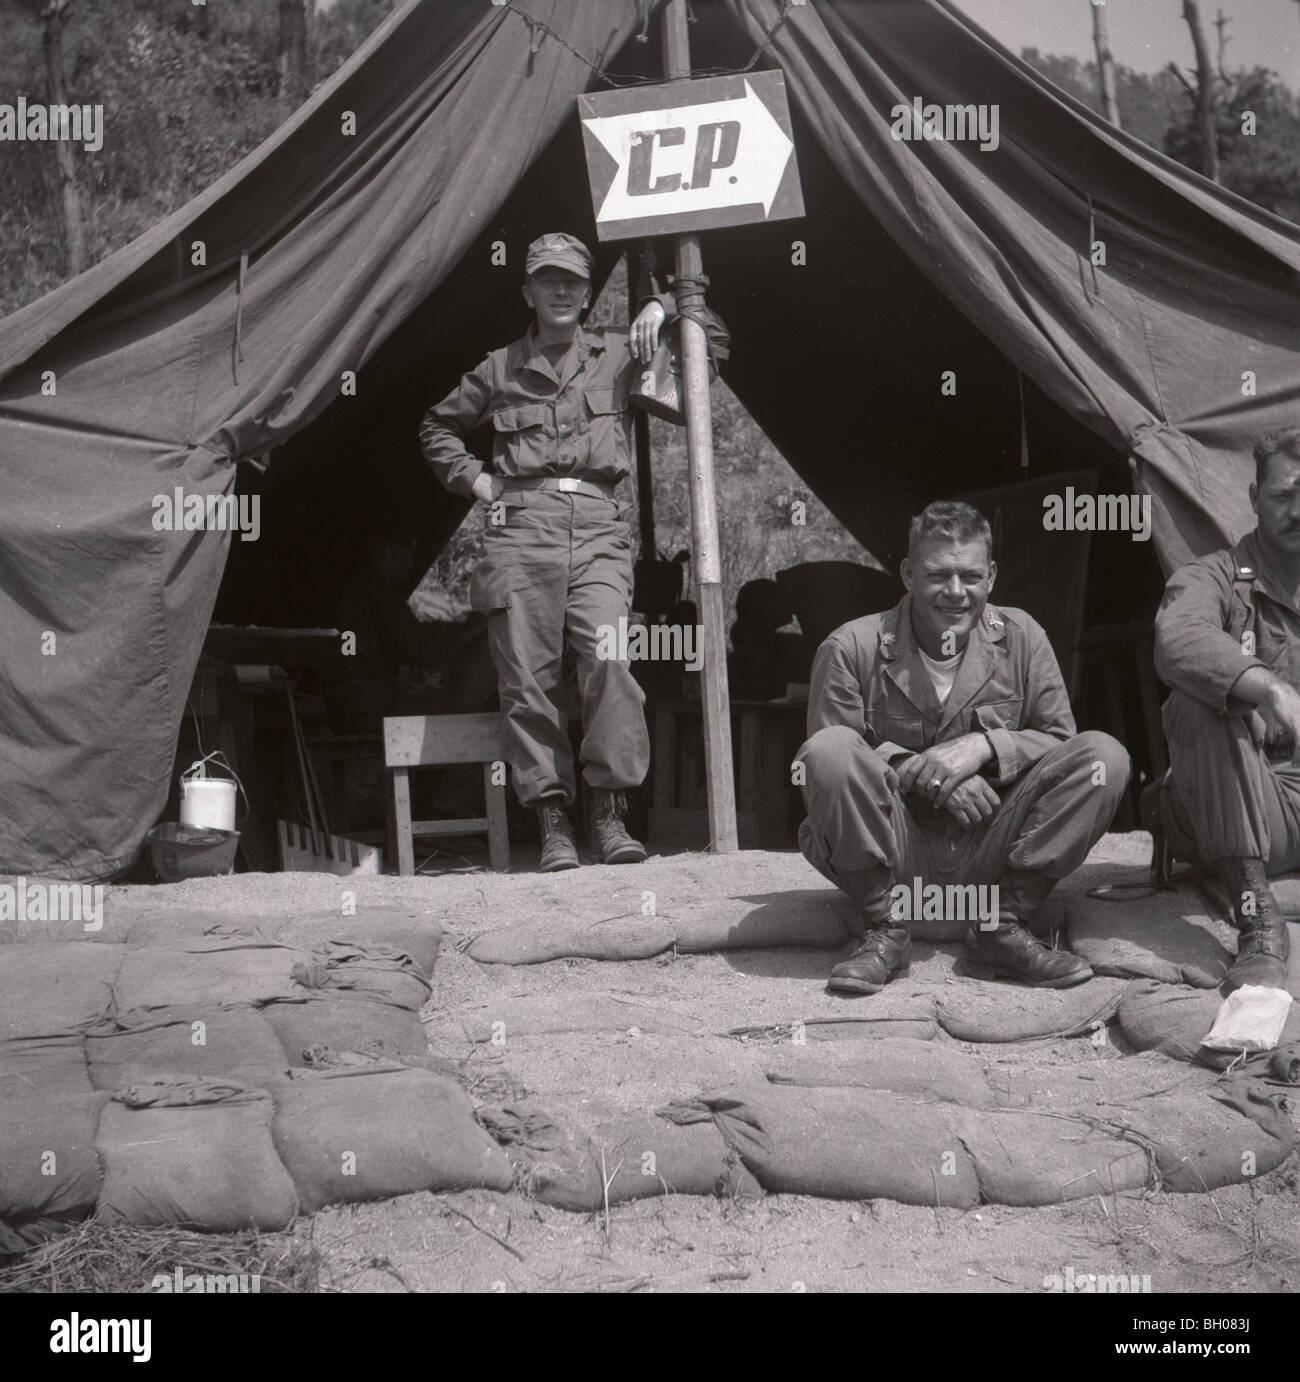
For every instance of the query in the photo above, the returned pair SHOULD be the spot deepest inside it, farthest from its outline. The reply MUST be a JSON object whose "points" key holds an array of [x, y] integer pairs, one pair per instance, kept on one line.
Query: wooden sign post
{"points": [[706, 549], [675, 159]]}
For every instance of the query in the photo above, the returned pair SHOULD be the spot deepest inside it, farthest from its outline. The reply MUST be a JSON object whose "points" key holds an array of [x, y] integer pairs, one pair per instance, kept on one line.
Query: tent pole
{"points": [[707, 558]]}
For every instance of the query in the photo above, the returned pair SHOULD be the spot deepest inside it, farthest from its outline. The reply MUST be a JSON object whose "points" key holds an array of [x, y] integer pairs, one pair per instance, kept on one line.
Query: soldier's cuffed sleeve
{"points": [[446, 425], [1046, 717], [835, 697], [1194, 652]]}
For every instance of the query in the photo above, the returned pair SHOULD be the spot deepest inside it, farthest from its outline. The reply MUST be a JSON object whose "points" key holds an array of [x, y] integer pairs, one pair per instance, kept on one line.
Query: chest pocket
{"points": [[520, 418], [605, 402], [907, 730]]}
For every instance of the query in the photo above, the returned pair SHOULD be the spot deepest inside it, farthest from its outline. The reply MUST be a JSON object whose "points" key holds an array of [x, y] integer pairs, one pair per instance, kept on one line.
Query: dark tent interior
{"points": [[838, 358]]}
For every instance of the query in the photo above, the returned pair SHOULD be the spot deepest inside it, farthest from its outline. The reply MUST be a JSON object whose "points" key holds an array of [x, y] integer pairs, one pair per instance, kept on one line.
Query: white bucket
{"points": [[208, 801]]}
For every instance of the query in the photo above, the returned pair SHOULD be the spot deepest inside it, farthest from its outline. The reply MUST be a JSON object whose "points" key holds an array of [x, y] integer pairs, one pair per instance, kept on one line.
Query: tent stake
{"points": [[704, 507]]}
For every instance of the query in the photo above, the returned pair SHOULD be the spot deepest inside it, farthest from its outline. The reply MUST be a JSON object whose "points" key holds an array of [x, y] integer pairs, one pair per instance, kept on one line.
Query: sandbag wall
{"points": [[224, 1081]]}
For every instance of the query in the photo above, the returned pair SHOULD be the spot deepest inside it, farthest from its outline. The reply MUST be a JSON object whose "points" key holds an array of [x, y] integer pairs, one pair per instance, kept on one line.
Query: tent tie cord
{"points": [[539, 29], [1092, 240], [237, 353]]}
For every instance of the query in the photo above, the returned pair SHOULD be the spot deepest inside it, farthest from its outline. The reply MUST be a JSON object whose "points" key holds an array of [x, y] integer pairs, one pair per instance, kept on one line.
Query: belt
{"points": [[564, 486]]}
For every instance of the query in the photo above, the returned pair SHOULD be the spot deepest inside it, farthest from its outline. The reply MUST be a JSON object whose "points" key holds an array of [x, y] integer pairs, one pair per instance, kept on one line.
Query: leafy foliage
{"points": [[187, 92], [1263, 167], [1148, 102]]}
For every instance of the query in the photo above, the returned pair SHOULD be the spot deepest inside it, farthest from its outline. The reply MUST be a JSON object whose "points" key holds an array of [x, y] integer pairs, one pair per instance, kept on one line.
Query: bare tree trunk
{"points": [[292, 61], [52, 13], [1204, 91], [1105, 65]]}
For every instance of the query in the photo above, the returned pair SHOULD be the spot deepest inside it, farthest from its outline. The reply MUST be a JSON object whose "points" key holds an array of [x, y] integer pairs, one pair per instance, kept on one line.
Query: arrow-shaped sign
{"points": [[691, 158]]}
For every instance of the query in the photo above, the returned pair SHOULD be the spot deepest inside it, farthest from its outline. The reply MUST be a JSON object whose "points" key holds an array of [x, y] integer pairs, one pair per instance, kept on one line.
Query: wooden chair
{"points": [[331, 754], [423, 741]]}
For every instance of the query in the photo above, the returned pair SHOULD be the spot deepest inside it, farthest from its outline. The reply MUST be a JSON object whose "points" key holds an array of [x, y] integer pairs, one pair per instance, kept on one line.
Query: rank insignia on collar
{"points": [[1245, 571], [993, 621]]}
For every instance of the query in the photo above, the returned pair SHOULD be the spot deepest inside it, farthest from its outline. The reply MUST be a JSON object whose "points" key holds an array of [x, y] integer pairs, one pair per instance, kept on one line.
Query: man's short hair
{"points": [[953, 522], [1284, 442]]}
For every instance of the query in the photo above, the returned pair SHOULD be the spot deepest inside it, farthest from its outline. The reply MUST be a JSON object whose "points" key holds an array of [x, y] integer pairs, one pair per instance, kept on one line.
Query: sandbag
{"points": [[397, 928], [642, 1156], [46, 1066], [841, 1143], [363, 1133], [56, 986], [1172, 1020], [625, 938], [233, 1042], [343, 1022], [193, 1152], [807, 917], [1171, 936], [853, 1143], [801, 918], [378, 972], [48, 1166], [896, 1064], [984, 1011], [1221, 1137], [1167, 1018], [205, 972], [1029, 1158]]}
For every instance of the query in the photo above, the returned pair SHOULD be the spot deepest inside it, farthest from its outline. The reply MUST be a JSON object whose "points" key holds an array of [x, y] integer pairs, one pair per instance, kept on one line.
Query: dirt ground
{"points": [[669, 1040]]}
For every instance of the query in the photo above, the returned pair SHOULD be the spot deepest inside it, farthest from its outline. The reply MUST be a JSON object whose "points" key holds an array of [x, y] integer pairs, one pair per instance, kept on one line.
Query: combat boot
{"points": [[886, 950], [610, 841], [1265, 943], [559, 850], [1011, 952]]}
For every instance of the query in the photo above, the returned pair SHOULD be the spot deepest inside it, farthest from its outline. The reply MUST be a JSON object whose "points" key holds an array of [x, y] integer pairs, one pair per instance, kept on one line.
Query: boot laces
{"points": [[1260, 938], [878, 935]]}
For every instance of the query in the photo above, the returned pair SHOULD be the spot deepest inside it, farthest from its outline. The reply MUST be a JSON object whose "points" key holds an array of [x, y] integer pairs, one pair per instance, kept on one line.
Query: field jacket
{"points": [[572, 421], [869, 676], [1221, 615]]}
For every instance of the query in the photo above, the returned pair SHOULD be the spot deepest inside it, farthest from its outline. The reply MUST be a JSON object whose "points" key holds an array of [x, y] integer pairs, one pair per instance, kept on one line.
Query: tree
{"points": [[52, 14], [293, 61], [1203, 93], [1105, 63], [1257, 129]]}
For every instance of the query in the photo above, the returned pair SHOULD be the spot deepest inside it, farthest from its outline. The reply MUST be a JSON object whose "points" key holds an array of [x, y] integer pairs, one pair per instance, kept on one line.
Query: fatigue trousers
{"points": [[560, 567], [864, 835], [1228, 797]]}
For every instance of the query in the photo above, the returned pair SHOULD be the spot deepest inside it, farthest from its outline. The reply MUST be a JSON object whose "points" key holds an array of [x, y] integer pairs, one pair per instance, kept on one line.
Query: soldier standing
{"points": [[556, 562]]}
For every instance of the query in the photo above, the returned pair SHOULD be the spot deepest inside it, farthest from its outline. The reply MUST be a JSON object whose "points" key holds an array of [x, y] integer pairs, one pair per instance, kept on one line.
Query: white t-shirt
{"points": [[943, 672]]}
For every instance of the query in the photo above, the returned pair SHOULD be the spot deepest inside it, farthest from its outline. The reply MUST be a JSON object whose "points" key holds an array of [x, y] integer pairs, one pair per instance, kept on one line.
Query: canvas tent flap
{"points": [[127, 382], [1153, 349]]}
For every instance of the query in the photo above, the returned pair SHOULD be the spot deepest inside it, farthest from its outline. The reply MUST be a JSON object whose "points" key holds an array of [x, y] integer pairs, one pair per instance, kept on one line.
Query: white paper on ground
{"points": [[1250, 1019]]}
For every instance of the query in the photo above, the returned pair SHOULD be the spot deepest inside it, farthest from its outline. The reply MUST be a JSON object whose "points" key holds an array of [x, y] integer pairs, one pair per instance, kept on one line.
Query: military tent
{"points": [[358, 240]]}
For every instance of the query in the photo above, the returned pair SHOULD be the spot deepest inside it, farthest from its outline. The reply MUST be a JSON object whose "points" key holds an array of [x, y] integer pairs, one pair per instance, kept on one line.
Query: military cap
{"points": [[560, 251]]}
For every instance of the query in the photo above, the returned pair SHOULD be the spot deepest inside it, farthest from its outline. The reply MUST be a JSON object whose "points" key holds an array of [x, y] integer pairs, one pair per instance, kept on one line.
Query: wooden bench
{"points": [[426, 741]]}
